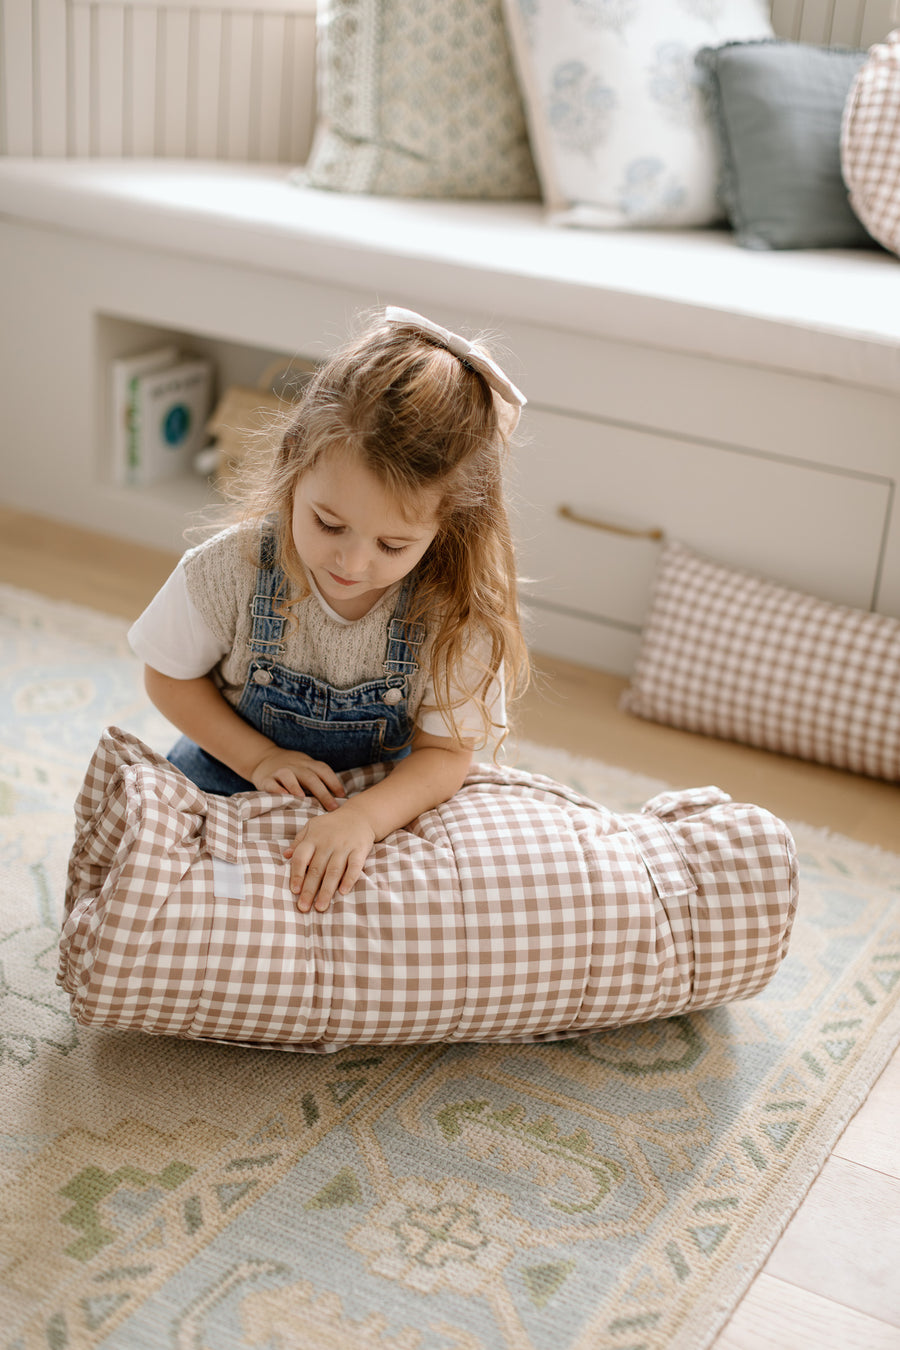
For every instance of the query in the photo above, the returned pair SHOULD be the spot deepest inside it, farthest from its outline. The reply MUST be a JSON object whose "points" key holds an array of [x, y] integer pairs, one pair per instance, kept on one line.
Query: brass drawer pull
{"points": [[568, 514]]}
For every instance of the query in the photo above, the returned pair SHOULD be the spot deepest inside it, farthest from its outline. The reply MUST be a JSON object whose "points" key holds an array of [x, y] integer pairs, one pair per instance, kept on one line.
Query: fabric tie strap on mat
{"points": [[518, 911]]}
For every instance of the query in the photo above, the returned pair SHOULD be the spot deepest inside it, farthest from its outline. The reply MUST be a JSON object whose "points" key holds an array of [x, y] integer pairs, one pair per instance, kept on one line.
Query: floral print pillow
{"points": [[616, 106], [418, 101]]}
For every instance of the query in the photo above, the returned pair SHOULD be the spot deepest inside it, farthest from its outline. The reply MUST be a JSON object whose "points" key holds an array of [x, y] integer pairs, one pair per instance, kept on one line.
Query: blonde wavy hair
{"points": [[420, 419]]}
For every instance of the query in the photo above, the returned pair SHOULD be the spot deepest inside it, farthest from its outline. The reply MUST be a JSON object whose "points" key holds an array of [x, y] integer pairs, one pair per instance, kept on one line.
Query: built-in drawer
{"points": [[578, 480]]}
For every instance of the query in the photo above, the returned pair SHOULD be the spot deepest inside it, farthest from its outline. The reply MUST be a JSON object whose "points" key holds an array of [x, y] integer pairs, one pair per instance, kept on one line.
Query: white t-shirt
{"points": [[198, 624]]}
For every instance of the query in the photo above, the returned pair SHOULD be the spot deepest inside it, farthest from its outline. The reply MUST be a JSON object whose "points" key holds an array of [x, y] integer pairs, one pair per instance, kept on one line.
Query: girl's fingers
{"points": [[321, 880], [309, 867], [297, 839], [301, 784], [314, 785], [305, 879], [298, 775], [322, 795], [329, 779], [338, 879], [352, 874]]}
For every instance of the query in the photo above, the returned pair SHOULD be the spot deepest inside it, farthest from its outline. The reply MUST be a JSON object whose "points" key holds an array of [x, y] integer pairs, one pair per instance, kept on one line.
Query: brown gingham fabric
{"points": [[517, 911], [728, 654], [870, 142]]}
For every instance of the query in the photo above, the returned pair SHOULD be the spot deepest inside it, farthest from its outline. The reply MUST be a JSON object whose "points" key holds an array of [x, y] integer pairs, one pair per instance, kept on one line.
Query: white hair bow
{"points": [[501, 385]]}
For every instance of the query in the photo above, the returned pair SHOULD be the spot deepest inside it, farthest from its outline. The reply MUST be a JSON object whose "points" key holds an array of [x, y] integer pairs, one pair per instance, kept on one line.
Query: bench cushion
{"points": [[833, 314]]}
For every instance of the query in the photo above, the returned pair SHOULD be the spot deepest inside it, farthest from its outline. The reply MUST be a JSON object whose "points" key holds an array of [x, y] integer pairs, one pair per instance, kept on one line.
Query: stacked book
{"points": [[160, 404]]}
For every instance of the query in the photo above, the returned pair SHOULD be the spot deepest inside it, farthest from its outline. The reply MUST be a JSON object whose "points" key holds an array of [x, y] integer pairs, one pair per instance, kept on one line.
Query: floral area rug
{"points": [[616, 1191]]}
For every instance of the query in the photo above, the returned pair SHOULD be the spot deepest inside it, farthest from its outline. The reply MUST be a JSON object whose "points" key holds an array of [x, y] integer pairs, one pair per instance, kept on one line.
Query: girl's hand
{"points": [[297, 775], [328, 856]]}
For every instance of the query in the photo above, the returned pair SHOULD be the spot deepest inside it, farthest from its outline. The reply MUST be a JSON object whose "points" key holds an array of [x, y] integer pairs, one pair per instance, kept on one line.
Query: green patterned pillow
{"points": [[418, 101]]}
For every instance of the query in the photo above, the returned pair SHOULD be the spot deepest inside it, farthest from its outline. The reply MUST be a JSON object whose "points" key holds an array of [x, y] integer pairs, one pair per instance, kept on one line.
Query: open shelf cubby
{"points": [[183, 496]]}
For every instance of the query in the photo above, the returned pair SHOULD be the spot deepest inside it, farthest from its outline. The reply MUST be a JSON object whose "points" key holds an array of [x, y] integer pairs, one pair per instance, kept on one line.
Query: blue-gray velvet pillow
{"points": [[777, 109]]}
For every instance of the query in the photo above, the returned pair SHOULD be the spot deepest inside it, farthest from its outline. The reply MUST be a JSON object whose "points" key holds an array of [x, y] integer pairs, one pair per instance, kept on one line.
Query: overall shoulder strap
{"points": [[267, 634], [404, 638]]}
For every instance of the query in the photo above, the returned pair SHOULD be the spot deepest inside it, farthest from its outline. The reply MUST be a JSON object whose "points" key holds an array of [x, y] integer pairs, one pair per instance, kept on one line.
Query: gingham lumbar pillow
{"points": [[870, 142], [728, 654]]}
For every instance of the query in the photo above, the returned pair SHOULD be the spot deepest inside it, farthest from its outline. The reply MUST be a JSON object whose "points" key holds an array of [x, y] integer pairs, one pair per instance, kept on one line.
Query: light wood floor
{"points": [[833, 1281]]}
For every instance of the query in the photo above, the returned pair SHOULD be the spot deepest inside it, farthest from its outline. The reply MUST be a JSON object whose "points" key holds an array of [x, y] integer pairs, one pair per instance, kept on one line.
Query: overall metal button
{"points": [[262, 677], [392, 696]]}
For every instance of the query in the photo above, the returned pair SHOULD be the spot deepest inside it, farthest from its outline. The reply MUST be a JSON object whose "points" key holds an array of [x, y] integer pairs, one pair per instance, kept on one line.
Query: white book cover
{"points": [[123, 370], [168, 419]]}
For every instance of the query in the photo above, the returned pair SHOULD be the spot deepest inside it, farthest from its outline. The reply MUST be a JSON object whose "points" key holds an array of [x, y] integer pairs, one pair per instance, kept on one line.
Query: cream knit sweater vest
{"points": [[221, 580]]}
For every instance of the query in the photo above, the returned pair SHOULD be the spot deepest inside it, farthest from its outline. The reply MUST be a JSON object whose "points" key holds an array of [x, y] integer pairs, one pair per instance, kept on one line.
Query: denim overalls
{"points": [[346, 728]]}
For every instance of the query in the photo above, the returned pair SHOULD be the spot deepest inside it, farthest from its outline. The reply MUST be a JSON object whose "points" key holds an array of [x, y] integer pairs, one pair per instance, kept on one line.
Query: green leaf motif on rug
{"points": [[709, 1236], [99, 1310], [230, 1193], [545, 1280], [343, 1189], [781, 1132], [887, 979], [666, 1046], [561, 1157], [93, 1185], [343, 1091], [57, 1335]]}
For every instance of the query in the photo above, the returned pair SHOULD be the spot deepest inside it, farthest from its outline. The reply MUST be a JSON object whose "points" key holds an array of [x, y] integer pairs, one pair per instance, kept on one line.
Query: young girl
{"points": [[364, 609]]}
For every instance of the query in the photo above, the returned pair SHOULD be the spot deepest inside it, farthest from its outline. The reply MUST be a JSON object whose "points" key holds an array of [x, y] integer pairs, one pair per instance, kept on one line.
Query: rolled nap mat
{"points": [[518, 911]]}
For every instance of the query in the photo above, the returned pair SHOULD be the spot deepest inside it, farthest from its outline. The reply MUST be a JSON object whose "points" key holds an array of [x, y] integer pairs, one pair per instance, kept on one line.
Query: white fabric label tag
{"points": [[228, 880]]}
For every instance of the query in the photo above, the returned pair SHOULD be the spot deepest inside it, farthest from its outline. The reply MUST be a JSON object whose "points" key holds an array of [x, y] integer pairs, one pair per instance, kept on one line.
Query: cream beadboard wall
{"points": [[202, 79], [210, 79]]}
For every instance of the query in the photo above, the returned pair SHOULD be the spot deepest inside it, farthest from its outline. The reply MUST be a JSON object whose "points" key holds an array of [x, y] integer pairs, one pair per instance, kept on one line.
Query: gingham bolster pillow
{"points": [[517, 911]]}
